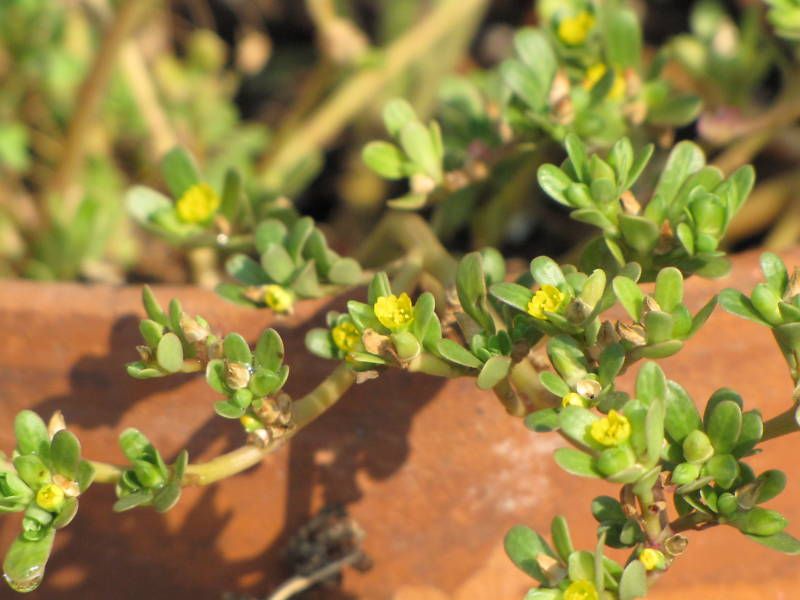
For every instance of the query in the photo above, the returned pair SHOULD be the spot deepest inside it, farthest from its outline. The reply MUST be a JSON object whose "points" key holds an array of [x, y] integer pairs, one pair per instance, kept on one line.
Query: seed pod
{"points": [[237, 375]]}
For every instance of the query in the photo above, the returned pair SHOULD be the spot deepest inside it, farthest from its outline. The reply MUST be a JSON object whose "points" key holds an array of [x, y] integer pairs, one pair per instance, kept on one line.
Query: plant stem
{"points": [[433, 365], [353, 96], [783, 424], [299, 583], [408, 233], [305, 410], [89, 96]]}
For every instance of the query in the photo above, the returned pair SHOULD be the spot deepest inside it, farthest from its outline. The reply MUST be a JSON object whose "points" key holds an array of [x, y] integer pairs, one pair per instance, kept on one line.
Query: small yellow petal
{"points": [[651, 559], [612, 430], [548, 298], [581, 589], [50, 497], [346, 336], [574, 30], [394, 312], [278, 299], [197, 204], [573, 399]]}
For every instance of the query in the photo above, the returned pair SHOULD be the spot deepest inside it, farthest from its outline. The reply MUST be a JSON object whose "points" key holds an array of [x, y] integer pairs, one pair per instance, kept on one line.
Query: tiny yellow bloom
{"points": [[198, 204], [346, 336], [573, 399], [548, 298], [278, 299], [651, 559], [574, 30], [581, 589], [250, 423], [394, 312], [596, 72], [612, 430], [50, 497]]}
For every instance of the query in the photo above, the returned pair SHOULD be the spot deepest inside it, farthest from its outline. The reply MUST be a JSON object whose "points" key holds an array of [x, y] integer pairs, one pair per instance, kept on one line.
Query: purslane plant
{"points": [[550, 343]]}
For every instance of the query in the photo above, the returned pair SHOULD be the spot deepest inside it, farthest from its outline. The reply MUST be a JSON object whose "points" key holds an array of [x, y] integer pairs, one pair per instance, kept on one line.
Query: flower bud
{"points": [[70, 487], [237, 375], [192, 330], [697, 447], [56, 424], [633, 334], [589, 388], [573, 399], [652, 559], [50, 497]]}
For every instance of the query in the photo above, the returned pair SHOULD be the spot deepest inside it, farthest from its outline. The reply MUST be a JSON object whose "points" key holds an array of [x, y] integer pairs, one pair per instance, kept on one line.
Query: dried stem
{"points": [[88, 100], [297, 584]]}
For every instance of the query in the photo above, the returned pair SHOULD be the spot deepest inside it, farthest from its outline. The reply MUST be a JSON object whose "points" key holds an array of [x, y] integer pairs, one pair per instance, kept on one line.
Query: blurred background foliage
{"points": [[93, 93]]}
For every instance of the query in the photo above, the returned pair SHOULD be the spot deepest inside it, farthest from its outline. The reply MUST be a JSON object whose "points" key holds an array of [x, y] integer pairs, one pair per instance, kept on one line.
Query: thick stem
{"points": [[433, 365], [783, 424], [304, 411], [351, 98]]}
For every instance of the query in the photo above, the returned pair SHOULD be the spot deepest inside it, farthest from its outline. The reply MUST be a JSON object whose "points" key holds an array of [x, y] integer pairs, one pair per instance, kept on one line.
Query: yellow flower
{"points": [[250, 424], [574, 30], [548, 298], [612, 430], [596, 72], [50, 497], [278, 299], [394, 312], [346, 336], [581, 589], [573, 399], [651, 559], [198, 204]]}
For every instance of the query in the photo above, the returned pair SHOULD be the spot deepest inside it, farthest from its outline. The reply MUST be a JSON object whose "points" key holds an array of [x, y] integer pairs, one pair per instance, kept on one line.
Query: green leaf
{"points": [[32, 470], [544, 420], [775, 272], [629, 295], [559, 533], [169, 353], [640, 233], [611, 361], [132, 500], [685, 159], [568, 359], [555, 183], [134, 444], [66, 514], [651, 385], [494, 371], [606, 509], [576, 150], [31, 433], [759, 521], [512, 294], [681, 414], [580, 566], [420, 147], [152, 307], [143, 204], [534, 49], [345, 271], [277, 263], [658, 327], [269, 350], [25, 562], [669, 288], [471, 288], [386, 159], [228, 410], [782, 542], [65, 453], [520, 80], [86, 473], [523, 546], [702, 316], [724, 468], [724, 426], [236, 349], [576, 462], [633, 583], [546, 271], [379, 286], [554, 384], [269, 231], [233, 196], [246, 270], [179, 170], [396, 115], [575, 422], [455, 353], [167, 497], [408, 202], [623, 39]]}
